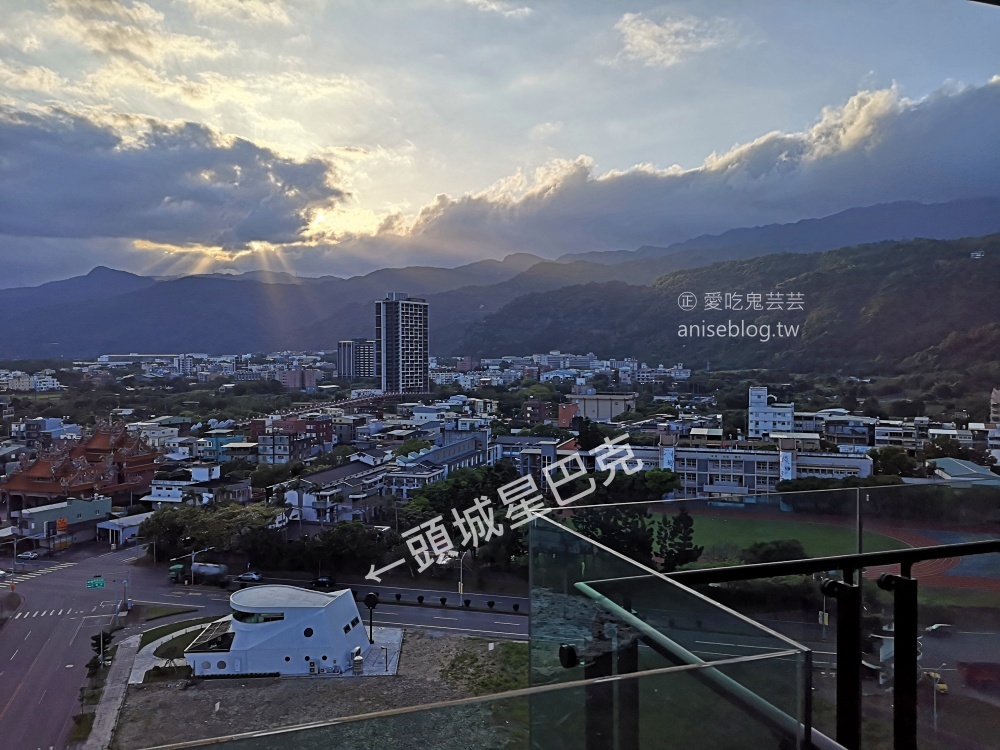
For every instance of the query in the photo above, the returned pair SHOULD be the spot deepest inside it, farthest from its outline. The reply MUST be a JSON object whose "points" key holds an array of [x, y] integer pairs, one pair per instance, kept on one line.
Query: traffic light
{"points": [[100, 641]]}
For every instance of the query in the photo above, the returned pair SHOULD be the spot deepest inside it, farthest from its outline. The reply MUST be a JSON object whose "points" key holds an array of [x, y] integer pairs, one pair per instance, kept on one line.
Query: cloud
{"points": [[252, 12], [30, 78], [665, 44], [73, 175], [176, 197], [131, 31], [499, 6], [875, 148], [544, 130]]}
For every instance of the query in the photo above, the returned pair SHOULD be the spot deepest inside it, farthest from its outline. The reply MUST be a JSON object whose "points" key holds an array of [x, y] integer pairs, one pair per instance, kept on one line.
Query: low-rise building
{"points": [[281, 630], [708, 472], [60, 524], [603, 407]]}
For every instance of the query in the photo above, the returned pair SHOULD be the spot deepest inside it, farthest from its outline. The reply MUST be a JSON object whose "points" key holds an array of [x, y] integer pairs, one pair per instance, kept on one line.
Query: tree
{"points": [[675, 542], [625, 529], [413, 445], [633, 532], [946, 447], [892, 460], [342, 453], [660, 482], [776, 550]]}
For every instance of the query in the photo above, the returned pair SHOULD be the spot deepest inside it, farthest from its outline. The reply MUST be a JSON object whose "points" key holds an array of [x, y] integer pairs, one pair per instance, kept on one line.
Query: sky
{"points": [[340, 136]]}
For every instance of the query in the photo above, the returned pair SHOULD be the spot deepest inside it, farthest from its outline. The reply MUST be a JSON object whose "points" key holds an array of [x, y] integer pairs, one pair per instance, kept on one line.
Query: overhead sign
{"points": [[95, 583]]}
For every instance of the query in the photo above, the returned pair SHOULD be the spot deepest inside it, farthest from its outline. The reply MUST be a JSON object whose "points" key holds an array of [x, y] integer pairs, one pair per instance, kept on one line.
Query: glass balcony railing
{"points": [[667, 707], [960, 593], [622, 656], [597, 614]]}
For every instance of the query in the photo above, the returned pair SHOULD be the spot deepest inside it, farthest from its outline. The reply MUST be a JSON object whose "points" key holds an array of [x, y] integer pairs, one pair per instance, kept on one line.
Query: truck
{"points": [[980, 674], [200, 573]]}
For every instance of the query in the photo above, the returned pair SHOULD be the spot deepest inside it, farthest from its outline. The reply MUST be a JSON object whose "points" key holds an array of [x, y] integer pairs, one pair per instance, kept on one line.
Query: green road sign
{"points": [[95, 583]]}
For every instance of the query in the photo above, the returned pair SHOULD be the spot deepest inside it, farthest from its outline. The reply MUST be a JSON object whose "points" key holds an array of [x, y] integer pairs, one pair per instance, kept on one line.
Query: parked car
{"points": [[323, 582], [940, 629], [249, 576], [29, 555], [3, 575]]}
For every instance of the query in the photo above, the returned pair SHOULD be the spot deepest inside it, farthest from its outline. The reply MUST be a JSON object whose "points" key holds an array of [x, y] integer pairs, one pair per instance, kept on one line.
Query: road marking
{"points": [[520, 636], [498, 622], [14, 654], [69, 666], [42, 695], [973, 632], [26, 637], [34, 614], [150, 601], [445, 618], [18, 615], [60, 611]]}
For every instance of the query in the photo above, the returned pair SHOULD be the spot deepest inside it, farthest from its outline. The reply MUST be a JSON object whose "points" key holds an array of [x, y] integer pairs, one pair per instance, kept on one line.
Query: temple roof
{"points": [[106, 459]]}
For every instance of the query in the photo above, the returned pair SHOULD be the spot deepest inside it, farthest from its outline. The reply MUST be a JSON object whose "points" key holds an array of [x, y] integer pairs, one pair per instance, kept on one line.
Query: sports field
{"points": [[819, 540]]}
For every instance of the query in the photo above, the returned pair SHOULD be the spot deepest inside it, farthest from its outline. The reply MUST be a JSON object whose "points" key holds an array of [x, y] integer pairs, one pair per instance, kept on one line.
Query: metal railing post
{"points": [[599, 701], [628, 690], [848, 597], [905, 648]]}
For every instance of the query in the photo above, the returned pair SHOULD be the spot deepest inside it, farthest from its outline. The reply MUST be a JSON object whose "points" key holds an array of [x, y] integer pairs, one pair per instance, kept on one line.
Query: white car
{"points": [[28, 556], [248, 576]]}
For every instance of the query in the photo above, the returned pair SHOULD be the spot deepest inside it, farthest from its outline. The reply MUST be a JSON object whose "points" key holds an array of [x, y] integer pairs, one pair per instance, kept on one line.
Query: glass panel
{"points": [[959, 603], [619, 617], [705, 707]]}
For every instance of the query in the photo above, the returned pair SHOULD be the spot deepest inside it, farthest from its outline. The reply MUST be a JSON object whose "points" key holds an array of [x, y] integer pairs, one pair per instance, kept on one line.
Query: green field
{"points": [[819, 540]]}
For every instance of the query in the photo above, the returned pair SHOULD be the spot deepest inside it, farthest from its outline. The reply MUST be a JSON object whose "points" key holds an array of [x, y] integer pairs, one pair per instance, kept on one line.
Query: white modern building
{"points": [[282, 630], [708, 472], [763, 418]]}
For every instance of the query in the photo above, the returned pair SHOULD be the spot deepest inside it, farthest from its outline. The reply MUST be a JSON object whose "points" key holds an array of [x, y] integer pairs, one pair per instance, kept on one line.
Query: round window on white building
{"points": [[221, 665], [308, 632], [206, 665]]}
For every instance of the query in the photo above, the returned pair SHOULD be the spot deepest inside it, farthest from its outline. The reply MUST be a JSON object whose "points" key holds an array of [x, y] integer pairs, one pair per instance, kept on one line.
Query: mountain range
{"points": [[892, 306], [473, 307]]}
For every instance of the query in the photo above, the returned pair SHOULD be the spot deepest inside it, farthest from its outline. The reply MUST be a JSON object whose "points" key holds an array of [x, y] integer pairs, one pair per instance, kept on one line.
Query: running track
{"points": [[929, 572]]}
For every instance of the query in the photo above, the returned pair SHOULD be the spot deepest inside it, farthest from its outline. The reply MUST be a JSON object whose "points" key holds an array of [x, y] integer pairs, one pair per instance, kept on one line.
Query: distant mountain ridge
{"points": [[902, 220], [115, 311], [917, 303]]}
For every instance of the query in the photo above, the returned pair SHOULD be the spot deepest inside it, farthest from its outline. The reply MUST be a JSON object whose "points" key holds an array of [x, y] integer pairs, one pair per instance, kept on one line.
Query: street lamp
{"points": [[935, 680], [461, 571]]}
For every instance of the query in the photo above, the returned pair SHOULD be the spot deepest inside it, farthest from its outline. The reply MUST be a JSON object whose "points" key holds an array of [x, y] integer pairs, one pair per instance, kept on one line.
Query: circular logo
{"points": [[687, 301]]}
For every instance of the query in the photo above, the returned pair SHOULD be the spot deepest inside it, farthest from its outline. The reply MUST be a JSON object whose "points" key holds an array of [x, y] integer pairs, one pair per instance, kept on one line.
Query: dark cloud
{"points": [[69, 175], [876, 148]]}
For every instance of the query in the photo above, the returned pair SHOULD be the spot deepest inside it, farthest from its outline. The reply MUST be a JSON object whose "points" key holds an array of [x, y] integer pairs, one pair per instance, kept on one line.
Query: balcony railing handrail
{"points": [[714, 679], [835, 562]]}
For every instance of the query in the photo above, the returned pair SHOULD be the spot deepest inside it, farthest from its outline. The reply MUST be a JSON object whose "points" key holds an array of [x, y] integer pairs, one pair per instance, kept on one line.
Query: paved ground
{"points": [[113, 695]]}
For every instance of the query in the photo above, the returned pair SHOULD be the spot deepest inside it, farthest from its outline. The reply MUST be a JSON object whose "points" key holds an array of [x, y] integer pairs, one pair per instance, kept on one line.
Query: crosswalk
{"points": [[129, 555], [48, 613], [28, 575]]}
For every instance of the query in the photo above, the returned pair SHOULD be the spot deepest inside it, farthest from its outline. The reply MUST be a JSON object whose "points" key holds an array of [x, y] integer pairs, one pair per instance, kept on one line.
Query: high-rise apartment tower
{"points": [[401, 349]]}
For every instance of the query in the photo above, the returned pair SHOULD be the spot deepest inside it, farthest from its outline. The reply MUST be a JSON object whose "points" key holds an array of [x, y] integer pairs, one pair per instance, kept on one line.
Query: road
{"points": [[45, 646]]}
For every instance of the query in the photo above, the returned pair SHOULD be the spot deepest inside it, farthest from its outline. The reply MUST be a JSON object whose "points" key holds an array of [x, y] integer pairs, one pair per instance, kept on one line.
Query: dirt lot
{"points": [[165, 713]]}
